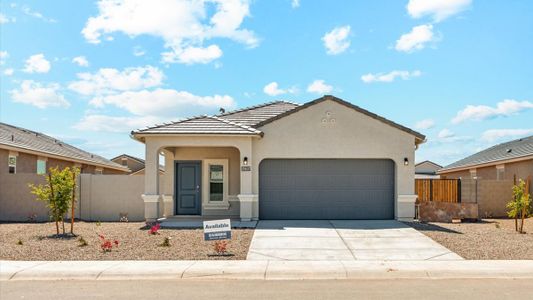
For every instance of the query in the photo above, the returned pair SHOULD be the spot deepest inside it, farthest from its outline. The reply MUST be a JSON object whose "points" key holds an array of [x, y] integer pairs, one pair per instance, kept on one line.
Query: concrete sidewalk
{"points": [[268, 270]]}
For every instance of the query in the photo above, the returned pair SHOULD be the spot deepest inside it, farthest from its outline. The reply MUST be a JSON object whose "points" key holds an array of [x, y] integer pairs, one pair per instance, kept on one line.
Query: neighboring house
{"points": [[427, 170], [135, 164], [500, 162], [325, 159], [24, 151]]}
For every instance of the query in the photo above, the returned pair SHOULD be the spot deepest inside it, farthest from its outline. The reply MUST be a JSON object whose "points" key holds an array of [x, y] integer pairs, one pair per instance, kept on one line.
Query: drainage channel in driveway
{"points": [[343, 240]]}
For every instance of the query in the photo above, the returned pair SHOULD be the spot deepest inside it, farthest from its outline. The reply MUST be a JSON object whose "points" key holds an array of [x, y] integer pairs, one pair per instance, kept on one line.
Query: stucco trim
{"points": [[421, 138]]}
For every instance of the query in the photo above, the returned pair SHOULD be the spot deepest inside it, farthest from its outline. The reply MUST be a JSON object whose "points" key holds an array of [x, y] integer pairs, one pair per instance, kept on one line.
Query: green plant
{"points": [[497, 225], [166, 242], [107, 245], [520, 206], [82, 242], [57, 193], [19, 242]]}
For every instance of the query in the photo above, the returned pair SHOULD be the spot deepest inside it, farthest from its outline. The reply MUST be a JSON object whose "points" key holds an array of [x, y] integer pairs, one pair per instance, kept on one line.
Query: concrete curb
{"points": [[262, 270]]}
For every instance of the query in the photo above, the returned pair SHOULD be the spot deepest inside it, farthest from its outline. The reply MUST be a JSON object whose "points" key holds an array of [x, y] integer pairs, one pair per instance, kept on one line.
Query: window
{"points": [[12, 164], [500, 172], [216, 183], [41, 167]]}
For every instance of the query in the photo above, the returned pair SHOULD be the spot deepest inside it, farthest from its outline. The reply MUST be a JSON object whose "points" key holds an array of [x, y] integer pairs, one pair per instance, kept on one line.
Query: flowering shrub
{"points": [[155, 229], [221, 247], [107, 245]]}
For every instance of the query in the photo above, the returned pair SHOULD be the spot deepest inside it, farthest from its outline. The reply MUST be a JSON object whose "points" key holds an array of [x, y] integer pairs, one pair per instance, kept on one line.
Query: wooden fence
{"points": [[439, 190]]}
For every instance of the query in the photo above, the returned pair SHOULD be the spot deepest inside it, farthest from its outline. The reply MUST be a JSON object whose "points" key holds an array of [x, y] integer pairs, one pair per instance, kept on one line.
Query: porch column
{"points": [[246, 197], [168, 187], [151, 182]]}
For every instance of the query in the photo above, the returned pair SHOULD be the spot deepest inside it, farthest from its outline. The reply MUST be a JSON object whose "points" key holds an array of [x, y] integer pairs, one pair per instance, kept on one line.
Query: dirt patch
{"points": [[487, 239], [135, 243]]}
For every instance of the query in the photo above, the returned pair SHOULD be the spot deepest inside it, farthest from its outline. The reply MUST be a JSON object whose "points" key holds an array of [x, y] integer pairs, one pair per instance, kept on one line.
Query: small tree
{"points": [[57, 193], [520, 206]]}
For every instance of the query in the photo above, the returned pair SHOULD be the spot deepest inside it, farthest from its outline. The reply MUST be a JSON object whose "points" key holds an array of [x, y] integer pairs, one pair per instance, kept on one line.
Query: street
{"points": [[260, 289]]}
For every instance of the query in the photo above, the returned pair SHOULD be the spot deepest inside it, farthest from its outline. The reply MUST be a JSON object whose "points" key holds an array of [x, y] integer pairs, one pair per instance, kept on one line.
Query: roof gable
{"points": [[418, 135]]}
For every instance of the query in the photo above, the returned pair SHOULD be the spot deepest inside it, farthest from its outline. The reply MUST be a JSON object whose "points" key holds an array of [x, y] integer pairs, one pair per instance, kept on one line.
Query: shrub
{"points": [[166, 242], [19, 242], [107, 245], [155, 229], [82, 242], [221, 247]]}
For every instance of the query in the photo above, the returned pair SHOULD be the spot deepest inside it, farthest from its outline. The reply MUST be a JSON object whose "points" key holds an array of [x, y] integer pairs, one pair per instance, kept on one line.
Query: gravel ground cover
{"points": [[487, 239], [135, 243]]}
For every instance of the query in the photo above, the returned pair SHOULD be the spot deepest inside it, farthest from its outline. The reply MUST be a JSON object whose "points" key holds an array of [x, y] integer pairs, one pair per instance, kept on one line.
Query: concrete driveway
{"points": [[343, 240]]}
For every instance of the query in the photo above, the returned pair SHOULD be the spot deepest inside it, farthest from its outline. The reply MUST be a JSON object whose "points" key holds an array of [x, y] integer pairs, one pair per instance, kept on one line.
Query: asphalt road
{"points": [[485, 289]]}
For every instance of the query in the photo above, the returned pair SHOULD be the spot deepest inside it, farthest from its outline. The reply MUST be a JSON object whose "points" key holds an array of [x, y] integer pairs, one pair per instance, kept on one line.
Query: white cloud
{"points": [[389, 77], [504, 108], [184, 26], [6, 19], [108, 80], [37, 64], [492, 135], [438, 9], [97, 122], [81, 61], [164, 102], [35, 14], [39, 95], [192, 55], [319, 86], [425, 124], [445, 134], [272, 89], [295, 3], [336, 41], [416, 39], [3, 56], [138, 51], [9, 71]]}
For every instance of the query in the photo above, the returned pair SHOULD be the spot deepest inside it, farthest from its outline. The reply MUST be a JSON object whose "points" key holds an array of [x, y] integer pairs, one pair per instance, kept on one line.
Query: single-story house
{"points": [[135, 164], [427, 170], [325, 159], [500, 162], [24, 151]]}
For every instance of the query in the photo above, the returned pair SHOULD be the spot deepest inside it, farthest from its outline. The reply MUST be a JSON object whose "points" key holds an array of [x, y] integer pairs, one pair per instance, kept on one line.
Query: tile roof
{"points": [[240, 121], [247, 120], [35, 141], [505, 151]]}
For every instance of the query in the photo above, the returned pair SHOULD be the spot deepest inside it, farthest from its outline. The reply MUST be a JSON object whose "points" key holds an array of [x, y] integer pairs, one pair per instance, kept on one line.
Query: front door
{"points": [[188, 187]]}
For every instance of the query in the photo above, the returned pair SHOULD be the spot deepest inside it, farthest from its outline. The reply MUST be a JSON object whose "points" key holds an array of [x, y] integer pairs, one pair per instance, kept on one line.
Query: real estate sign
{"points": [[217, 230]]}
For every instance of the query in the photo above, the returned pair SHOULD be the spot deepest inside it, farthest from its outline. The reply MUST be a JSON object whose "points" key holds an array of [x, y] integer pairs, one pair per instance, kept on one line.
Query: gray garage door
{"points": [[326, 189]]}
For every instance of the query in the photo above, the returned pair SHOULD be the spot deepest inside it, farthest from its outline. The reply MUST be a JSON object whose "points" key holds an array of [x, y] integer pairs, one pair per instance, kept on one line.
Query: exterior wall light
{"points": [[245, 161], [405, 161]]}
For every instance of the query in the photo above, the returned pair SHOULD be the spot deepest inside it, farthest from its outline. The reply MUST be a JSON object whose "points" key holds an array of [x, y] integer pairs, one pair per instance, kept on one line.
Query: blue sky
{"points": [[459, 71]]}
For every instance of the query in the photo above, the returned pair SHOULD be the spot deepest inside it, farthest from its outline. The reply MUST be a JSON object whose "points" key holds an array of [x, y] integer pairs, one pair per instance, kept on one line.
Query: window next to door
{"points": [[215, 183]]}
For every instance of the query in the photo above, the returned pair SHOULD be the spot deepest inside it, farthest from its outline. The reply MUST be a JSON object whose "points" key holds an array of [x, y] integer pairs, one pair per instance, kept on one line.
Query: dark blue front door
{"points": [[188, 187]]}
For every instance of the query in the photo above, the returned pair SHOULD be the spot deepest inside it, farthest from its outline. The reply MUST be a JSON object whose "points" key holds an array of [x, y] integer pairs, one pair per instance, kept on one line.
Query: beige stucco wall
{"points": [[100, 197], [352, 135]]}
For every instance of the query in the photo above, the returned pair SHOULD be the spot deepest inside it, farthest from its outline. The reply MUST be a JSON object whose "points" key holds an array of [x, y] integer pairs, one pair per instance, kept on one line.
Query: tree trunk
{"points": [[56, 218], [63, 224], [57, 226]]}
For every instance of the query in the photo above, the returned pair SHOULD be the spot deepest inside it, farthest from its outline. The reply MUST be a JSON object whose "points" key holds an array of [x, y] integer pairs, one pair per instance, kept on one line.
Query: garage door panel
{"points": [[326, 189]]}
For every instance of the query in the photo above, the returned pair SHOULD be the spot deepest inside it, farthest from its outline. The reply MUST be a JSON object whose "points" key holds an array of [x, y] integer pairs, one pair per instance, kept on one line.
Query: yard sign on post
{"points": [[217, 230]]}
